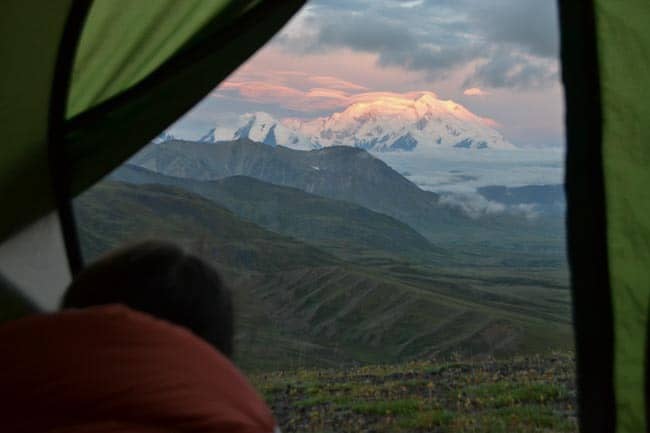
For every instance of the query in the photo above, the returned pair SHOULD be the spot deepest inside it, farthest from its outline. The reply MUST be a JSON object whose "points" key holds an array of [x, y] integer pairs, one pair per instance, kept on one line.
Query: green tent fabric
{"points": [[123, 41], [92, 135], [606, 65], [29, 45], [81, 79], [624, 51]]}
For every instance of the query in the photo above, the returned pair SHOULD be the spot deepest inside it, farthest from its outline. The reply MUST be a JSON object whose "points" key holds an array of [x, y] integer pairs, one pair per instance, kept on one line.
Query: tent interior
{"points": [[86, 84]]}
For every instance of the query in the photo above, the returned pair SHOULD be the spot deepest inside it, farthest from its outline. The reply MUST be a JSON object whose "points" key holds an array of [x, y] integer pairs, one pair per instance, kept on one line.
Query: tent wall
{"points": [[86, 83], [30, 32], [140, 66], [35, 262], [123, 41], [606, 70], [107, 134], [624, 53], [13, 303]]}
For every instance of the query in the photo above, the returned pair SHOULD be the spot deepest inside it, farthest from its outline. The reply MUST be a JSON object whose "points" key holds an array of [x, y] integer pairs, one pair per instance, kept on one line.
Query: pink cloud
{"points": [[314, 99], [318, 99], [336, 83], [321, 82], [297, 79], [373, 96], [475, 91], [328, 93], [260, 91], [351, 70], [316, 84]]}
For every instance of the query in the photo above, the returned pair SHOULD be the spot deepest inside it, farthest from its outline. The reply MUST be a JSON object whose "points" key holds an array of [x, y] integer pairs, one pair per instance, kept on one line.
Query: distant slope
{"points": [[341, 227], [299, 306], [342, 173], [113, 213], [354, 175]]}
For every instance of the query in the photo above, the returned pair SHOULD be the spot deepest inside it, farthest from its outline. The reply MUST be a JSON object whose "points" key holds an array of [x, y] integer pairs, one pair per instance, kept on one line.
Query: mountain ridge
{"points": [[385, 124], [345, 228], [113, 212], [356, 176], [338, 172]]}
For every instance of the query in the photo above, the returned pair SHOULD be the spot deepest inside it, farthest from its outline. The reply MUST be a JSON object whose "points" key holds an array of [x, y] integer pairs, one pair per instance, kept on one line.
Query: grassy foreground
{"points": [[523, 394]]}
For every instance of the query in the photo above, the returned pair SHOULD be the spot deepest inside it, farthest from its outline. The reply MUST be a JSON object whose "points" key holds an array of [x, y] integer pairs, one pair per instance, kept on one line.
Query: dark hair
{"points": [[160, 279]]}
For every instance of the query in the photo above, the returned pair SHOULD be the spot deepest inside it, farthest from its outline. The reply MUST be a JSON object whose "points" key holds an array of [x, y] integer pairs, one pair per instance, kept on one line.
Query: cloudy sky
{"points": [[499, 58]]}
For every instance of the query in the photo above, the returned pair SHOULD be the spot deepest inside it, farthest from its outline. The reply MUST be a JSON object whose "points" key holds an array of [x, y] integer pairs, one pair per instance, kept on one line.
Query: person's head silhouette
{"points": [[160, 279]]}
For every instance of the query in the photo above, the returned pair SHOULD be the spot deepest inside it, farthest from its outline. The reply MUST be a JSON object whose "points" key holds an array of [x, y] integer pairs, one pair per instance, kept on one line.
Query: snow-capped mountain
{"points": [[260, 127], [384, 124]]}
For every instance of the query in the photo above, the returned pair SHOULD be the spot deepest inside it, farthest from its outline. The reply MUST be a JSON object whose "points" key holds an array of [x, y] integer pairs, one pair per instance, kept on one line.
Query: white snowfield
{"points": [[386, 124]]}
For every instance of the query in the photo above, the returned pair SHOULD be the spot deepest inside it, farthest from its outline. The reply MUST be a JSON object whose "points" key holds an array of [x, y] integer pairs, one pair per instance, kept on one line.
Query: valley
{"points": [[345, 265], [354, 175]]}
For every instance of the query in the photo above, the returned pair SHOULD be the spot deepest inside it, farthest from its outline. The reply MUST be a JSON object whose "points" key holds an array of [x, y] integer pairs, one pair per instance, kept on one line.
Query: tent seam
{"points": [[587, 219], [58, 158]]}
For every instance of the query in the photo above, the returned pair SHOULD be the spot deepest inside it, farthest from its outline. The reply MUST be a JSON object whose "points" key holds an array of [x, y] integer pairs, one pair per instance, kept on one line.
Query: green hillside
{"points": [[344, 316], [114, 213], [300, 306], [345, 229]]}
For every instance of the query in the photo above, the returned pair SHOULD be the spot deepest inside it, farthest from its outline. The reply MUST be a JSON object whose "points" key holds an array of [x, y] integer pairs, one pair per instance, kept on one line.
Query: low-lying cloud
{"points": [[476, 206]]}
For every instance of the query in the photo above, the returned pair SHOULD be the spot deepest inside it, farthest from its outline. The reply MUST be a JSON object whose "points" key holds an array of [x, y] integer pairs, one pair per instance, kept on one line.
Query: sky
{"points": [[499, 58]]}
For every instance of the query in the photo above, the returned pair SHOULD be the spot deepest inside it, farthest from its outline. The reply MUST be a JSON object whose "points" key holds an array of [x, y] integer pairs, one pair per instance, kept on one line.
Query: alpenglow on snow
{"points": [[383, 124]]}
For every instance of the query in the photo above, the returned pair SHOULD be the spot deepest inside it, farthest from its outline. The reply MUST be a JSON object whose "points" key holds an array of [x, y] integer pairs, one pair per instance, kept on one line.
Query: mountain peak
{"points": [[260, 116], [380, 122], [427, 98], [260, 127], [391, 123]]}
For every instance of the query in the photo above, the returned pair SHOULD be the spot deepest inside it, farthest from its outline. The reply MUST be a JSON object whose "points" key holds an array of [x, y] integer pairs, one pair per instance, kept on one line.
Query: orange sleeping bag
{"points": [[111, 369]]}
